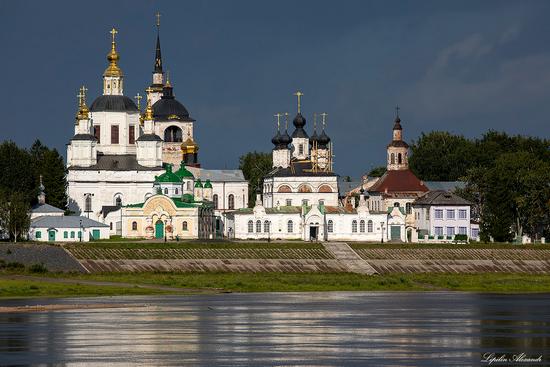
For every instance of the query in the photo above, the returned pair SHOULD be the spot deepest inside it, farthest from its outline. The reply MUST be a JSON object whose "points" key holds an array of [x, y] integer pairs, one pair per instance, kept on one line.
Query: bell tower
{"points": [[398, 150], [112, 77]]}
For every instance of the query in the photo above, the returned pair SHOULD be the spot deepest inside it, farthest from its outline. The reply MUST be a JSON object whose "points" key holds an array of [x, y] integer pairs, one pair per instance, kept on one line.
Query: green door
{"points": [[395, 232], [95, 234], [51, 235], [159, 229]]}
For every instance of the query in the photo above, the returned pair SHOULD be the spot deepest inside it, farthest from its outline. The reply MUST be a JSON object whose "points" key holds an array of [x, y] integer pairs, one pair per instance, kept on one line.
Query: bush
{"points": [[440, 237], [15, 266], [430, 237], [461, 237], [38, 268]]}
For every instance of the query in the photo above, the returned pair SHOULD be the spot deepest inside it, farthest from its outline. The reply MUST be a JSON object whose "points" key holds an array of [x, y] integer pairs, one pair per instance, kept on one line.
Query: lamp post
{"points": [[80, 239], [382, 226]]}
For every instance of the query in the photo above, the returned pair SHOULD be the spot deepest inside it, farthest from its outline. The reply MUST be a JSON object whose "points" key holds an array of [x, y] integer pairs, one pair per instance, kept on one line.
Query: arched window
{"points": [[399, 158], [362, 226], [134, 226], [184, 226], [408, 208], [396, 204], [392, 159], [258, 226], [250, 226], [188, 185], [304, 188], [284, 188], [176, 191], [290, 226], [330, 226], [231, 201], [118, 201], [173, 134], [266, 226], [354, 226], [215, 201], [325, 188], [165, 191], [88, 203], [369, 226]]}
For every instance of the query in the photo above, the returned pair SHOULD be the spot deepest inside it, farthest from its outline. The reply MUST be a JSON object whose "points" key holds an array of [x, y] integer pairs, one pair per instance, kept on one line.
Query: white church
{"points": [[117, 151]]}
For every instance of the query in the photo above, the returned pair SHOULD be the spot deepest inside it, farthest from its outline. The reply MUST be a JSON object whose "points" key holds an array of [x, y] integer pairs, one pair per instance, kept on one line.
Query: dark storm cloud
{"points": [[461, 66]]}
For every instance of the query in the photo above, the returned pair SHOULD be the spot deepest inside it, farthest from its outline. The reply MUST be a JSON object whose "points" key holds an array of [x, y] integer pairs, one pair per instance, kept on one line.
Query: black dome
{"points": [[276, 140], [168, 108], [323, 140], [314, 137], [299, 121], [285, 139], [113, 103]]}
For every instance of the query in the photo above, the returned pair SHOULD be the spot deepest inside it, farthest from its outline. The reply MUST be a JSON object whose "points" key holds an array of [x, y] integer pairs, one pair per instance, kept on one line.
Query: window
{"points": [[176, 191], [362, 226], [132, 135], [450, 231], [300, 149], [325, 188], [266, 226], [165, 191], [111, 226], [330, 226], [475, 233], [215, 201], [399, 158], [118, 201], [396, 205], [97, 133], [288, 202], [38, 234], [290, 226], [184, 226], [79, 234], [462, 214], [408, 208], [369, 226], [284, 188], [250, 226], [65, 234], [392, 160], [88, 203], [438, 231], [462, 230], [304, 188], [258, 226], [188, 185], [134, 226], [114, 134], [304, 202], [321, 202], [231, 201], [173, 134], [439, 214], [72, 234], [354, 226], [450, 214]]}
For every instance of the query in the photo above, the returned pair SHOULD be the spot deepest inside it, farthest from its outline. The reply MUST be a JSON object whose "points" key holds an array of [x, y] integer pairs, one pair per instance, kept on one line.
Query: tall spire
{"points": [[158, 56]]}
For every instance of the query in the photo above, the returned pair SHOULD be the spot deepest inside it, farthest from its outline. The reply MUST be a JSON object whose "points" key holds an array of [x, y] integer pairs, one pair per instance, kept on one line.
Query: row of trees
{"points": [[507, 178], [19, 183]]}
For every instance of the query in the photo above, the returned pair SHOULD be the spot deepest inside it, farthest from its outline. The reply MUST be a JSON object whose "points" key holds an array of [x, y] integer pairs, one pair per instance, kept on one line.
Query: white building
{"points": [[117, 151]]}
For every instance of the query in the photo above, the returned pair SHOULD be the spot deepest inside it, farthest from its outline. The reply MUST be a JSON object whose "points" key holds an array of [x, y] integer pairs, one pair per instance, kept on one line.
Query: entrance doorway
{"points": [[51, 235], [95, 234], [313, 232], [159, 229], [395, 233]]}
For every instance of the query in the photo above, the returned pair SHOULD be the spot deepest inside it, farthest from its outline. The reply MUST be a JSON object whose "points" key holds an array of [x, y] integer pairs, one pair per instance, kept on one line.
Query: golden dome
{"points": [[113, 70], [83, 110], [189, 145]]}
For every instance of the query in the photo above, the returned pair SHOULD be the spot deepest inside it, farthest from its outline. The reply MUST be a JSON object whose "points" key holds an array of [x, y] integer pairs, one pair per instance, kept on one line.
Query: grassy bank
{"points": [[195, 245], [269, 282]]}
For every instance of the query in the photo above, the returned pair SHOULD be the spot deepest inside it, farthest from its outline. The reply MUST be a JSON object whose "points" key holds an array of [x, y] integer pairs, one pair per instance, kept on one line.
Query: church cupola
{"points": [[321, 154], [149, 145], [300, 139], [82, 149], [190, 151], [398, 150], [281, 153], [112, 77], [155, 91]]}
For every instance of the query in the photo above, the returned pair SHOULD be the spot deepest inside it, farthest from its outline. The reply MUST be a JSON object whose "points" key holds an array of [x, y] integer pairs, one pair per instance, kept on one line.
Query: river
{"points": [[279, 329]]}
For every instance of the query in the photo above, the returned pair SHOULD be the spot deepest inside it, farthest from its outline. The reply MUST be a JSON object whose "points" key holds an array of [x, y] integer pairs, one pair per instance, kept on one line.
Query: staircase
{"points": [[349, 258]]}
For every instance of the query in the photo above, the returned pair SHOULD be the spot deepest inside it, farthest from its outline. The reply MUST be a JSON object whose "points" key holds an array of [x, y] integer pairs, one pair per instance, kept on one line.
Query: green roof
{"points": [[198, 183], [182, 172], [168, 176], [207, 184], [187, 201]]}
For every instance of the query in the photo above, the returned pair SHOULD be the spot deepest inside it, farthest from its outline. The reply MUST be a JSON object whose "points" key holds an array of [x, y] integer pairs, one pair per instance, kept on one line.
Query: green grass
{"points": [[25, 288], [196, 245], [303, 282], [473, 245]]}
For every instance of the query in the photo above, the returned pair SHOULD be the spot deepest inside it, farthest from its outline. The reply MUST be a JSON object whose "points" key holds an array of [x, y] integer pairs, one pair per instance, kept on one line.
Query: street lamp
{"points": [[80, 239], [382, 226]]}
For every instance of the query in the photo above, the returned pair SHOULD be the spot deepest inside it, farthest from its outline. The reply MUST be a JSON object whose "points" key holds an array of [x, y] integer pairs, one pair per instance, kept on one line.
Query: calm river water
{"points": [[280, 329]]}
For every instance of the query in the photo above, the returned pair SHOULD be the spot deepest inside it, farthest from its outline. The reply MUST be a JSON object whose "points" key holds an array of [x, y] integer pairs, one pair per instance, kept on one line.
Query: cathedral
{"points": [[118, 152]]}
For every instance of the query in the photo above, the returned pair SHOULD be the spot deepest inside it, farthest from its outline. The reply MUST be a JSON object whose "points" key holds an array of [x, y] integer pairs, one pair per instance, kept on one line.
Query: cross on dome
{"points": [[299, 95]]}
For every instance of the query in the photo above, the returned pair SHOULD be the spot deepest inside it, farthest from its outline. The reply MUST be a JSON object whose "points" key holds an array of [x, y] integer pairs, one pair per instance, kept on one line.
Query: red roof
{"points": [[399, 181]]}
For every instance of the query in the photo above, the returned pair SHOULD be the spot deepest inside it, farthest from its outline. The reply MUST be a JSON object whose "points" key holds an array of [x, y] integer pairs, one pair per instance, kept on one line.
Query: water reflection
{"points": [[327, 329]]}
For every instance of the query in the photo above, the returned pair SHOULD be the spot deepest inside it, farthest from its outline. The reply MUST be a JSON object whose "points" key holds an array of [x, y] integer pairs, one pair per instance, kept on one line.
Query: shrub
{"points": [[461, 237], [15, 266], [38, 268], [440, 237], [430, 237]]}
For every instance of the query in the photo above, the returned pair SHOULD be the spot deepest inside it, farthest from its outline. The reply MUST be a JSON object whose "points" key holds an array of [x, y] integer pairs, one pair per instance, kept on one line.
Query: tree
{"points": [[17, 171], [49, 164], [377, 171], [14, 214], [255, 165]]}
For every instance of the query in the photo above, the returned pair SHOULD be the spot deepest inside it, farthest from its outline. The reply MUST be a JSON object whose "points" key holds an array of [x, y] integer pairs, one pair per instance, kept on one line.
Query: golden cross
{"points": [[158, 19], [299, 95], [149, 90], [138, 97], [286, 120], [278, 115], [324, 115], [80, 96], [113, 33]]}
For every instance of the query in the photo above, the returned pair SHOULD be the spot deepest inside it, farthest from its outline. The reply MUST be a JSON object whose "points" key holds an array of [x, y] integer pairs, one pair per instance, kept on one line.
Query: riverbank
{"points": [[16, 285]]}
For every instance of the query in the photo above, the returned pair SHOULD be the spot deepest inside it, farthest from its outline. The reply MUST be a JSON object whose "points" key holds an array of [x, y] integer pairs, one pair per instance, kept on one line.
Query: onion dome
{"points": [[323, 140], [285, 139], [168, 176], [198, 183], [299, 122], [207, 184], [276, 140], [314, 137], [189, 145], [113, 70], [167, 108], [397, 123], [183, 172]]}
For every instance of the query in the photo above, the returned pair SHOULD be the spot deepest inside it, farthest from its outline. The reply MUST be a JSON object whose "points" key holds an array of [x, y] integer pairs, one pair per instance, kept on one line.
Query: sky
{"points": [[459, 66]]}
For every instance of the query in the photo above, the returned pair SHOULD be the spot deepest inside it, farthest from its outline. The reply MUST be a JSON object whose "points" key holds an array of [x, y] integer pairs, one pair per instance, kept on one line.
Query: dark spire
{"points": [[397, 121], [158, 57]]}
